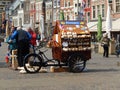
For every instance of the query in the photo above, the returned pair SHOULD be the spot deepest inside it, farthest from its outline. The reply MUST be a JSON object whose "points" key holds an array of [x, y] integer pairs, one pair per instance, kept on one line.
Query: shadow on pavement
{"points": [[102, 70]]}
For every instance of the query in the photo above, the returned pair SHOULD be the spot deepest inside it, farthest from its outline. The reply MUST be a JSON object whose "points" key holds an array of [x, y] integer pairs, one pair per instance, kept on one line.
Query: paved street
{"points": [[101, 74]]}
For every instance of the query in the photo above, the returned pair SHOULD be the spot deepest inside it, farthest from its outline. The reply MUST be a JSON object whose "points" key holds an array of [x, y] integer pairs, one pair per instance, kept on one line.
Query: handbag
{"points": [[102, 44]]}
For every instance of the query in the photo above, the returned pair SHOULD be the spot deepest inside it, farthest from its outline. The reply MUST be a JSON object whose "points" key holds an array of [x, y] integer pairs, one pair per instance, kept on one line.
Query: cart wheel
{"points": [[32, 63], [77, 63]]}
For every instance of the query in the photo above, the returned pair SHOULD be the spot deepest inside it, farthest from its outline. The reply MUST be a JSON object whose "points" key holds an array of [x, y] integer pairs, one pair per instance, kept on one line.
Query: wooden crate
{"points": [[59, 69]]}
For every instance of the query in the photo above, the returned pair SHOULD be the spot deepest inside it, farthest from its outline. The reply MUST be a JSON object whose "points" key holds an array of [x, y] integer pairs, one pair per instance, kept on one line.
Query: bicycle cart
{"points": [[71, 46]]}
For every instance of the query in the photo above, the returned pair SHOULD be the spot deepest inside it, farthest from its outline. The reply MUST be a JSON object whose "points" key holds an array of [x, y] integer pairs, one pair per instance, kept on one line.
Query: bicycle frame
{"points": [[46, 61]]}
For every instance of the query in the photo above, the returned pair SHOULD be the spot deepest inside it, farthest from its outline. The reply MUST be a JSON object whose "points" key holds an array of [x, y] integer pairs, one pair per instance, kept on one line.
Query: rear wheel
{"points": [[32, 63], [77, 63]]}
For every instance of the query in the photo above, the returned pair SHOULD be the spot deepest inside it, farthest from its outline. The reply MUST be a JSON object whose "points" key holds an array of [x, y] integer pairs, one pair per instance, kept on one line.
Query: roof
{"points": [[115, 25]]}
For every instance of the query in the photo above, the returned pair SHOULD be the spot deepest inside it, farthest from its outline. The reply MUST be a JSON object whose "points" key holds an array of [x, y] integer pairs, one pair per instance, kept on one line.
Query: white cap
{"points": [[19, 27]]}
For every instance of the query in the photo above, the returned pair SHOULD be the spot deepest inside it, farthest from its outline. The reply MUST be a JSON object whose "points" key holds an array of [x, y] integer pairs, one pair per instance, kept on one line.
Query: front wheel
{"points": [[77, 63], [32, 63]]}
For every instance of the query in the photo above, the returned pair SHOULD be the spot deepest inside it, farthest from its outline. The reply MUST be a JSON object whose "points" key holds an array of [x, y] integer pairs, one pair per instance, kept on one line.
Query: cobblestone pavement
{"points": [[100, 74]]}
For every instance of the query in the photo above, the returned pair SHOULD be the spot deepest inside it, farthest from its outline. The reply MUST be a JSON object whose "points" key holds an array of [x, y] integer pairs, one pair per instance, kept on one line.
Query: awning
{"points": [[115, 25]]}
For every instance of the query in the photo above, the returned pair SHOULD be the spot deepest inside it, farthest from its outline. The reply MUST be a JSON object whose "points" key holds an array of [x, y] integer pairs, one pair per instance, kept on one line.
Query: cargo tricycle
{"points": [[71, 47]]}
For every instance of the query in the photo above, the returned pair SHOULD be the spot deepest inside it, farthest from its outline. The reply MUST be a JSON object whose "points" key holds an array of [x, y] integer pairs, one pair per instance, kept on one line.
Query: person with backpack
{"points": [[23, 40]]}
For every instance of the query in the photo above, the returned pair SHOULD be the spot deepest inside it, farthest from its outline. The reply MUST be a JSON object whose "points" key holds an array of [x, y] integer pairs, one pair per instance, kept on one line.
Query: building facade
{"points": [[3, 5], [99, 7], [67, 6], [73, 10]]}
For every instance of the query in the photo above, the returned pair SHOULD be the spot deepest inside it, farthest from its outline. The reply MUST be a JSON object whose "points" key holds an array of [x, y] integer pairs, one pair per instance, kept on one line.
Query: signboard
{"points": [[71, 22]]}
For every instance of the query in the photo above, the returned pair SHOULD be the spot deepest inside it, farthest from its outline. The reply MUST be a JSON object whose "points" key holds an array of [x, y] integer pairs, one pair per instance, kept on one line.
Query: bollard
{"points": [[14, 62]]}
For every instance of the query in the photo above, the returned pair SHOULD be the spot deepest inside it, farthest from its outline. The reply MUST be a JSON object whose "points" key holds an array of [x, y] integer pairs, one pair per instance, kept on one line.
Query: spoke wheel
{"points": [[32, 63], [77, 63]]}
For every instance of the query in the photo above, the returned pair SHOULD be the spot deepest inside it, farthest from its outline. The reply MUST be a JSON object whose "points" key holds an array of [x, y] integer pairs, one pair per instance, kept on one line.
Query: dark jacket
{"points": [[105, 41], [21, 35]]}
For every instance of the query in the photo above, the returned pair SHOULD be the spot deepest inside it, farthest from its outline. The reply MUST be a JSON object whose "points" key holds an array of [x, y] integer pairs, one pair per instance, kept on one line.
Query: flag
{"points": [[108, 22], [99, 28], [42, 27], [61, 26], [83, 3], [82, 12], [87, 9], [62, 15]]}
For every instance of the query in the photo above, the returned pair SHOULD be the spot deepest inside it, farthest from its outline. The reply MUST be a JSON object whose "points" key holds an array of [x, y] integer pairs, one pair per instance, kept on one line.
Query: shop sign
{"points": [[71, 22]]}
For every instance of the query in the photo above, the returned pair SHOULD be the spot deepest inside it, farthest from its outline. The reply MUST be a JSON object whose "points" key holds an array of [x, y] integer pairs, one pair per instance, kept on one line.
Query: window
{"points": [[103, 10], [98, 9], [68, 3], [110, 1], [55, 3], [4, 3], [75, 5], [79, 4], [93, 11], [117, 5], [58, 2], [65, 4]]}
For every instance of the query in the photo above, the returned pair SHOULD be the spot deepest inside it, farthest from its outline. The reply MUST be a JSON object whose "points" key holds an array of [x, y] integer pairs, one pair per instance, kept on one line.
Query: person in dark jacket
{"points": [[105, 43], [23, 39]]}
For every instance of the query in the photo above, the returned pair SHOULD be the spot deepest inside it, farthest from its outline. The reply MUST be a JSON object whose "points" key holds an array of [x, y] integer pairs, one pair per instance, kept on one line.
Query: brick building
{"points": [[100, 7]]}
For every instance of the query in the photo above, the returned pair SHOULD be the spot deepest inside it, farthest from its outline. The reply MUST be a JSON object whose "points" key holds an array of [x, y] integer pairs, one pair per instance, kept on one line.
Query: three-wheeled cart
{"points": [[71, 46]]}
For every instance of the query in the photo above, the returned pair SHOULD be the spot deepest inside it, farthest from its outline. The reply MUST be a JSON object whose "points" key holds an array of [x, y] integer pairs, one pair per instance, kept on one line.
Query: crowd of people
{"points": [[22, 40]]}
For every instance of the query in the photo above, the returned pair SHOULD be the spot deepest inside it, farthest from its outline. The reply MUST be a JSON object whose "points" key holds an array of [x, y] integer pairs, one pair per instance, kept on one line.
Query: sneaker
{"points": [[20, 68], [22, 71], [43, 70]]}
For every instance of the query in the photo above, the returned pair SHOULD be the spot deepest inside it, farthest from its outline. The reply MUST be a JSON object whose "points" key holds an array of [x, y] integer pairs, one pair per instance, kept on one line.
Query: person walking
{"points": [[34, 36], [23, 40], [11, 43], [33, 39], [105, 43]]}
